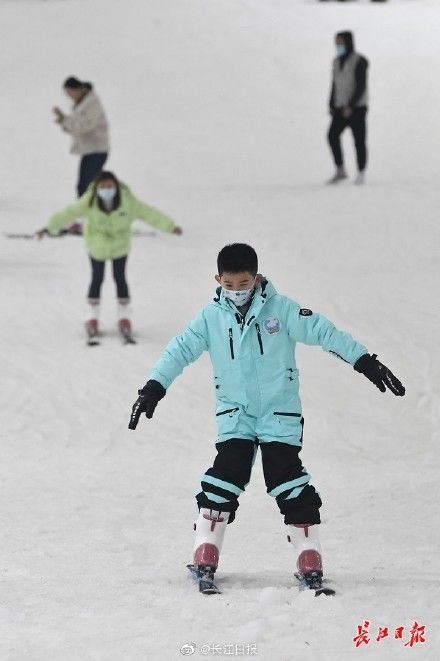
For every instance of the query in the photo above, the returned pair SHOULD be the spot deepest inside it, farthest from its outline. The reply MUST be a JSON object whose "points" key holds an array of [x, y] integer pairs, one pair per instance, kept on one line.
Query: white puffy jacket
{"points": [[88, 126]]}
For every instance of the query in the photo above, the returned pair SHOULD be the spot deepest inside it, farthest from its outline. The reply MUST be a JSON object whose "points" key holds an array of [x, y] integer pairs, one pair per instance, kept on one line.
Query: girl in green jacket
{"points": [[109, 208]]}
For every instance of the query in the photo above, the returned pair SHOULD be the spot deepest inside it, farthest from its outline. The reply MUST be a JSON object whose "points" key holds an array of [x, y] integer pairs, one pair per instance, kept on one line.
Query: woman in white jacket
{"points": [[88, 126]]}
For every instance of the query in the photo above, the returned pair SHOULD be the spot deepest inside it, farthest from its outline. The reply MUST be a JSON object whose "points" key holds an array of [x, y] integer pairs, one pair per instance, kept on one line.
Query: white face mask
{"points": [[106, 194], [240, 297]]}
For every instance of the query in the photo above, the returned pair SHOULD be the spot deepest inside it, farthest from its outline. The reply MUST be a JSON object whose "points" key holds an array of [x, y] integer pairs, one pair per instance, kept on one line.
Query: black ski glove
{"points": [[149, 396], [378, 374]]}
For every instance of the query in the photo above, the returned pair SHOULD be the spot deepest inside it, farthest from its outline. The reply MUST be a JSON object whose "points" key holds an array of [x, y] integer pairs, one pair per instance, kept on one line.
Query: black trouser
{"points": [[357, 123], [98, 268], [90, 166], [223, 483]]}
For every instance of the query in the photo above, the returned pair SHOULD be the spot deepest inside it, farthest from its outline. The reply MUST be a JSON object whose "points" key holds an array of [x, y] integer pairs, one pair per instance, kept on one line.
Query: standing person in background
{"points": [[88, 126], [109, 208], [348, 105]]}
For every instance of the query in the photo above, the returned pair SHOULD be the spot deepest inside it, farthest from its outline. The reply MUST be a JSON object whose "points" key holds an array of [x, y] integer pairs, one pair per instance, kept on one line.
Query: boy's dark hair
{"points": [[236, 258], [104, 176]]}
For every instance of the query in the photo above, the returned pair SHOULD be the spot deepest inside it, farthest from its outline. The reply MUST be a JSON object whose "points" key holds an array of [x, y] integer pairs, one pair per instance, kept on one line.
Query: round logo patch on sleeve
{"points": [[305, 312]]}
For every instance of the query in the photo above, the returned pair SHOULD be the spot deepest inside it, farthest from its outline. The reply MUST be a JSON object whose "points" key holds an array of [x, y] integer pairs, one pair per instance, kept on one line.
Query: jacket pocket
{"points": [[228, 422], [291, 415], [227, 411], [289, 425]]}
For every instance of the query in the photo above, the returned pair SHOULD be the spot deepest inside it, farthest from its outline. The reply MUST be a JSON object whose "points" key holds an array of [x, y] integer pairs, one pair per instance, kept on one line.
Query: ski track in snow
{"points": [[217, 112]]}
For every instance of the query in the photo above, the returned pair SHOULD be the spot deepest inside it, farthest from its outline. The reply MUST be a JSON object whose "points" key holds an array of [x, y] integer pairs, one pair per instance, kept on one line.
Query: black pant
{"points": [[357, 123], [98, 268], [89, 167], [231, 471]]}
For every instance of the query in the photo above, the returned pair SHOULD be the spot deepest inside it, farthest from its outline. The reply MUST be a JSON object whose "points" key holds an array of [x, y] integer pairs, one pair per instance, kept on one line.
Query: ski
{"points": [[127, 337], [93, 340], [30, 237], [205, 579], [313, 581], [92, 332], [17, 235], [148, 233], [34, 236]]}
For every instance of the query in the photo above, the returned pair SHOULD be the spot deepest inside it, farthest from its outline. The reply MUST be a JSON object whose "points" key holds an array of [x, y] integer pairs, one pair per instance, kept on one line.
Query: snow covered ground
{"points": [[218, 116]]}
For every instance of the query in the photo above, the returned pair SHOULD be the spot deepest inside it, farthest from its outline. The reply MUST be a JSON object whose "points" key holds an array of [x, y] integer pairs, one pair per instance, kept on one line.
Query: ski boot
{"points": [[305, 541], [124, 323], [210, 530], [91, 323]]}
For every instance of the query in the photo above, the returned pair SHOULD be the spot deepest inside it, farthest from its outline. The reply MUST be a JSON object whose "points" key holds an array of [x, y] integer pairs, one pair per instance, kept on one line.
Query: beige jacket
{"points": [[88, 126]]}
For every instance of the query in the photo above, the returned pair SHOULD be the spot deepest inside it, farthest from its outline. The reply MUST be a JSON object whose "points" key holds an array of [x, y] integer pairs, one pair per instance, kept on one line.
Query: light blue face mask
{"points": [[340, 50], [106, 194]]}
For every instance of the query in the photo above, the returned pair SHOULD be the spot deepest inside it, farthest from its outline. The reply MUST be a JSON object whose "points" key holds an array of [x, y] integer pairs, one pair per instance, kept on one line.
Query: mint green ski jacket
{"points": [[254, 369]]}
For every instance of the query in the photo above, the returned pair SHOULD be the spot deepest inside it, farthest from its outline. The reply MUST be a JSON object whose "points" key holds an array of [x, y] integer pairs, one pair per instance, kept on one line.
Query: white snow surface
{"points": [[218, 113]]}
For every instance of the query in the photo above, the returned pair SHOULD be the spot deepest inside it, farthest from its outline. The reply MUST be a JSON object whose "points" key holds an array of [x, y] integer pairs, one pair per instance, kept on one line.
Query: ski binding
{"points": [[313, 581], [205, 578]]}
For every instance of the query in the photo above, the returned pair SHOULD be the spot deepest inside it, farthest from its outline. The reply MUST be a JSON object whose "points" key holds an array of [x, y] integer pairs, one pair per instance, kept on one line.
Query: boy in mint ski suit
{"points": [[250, 332]]}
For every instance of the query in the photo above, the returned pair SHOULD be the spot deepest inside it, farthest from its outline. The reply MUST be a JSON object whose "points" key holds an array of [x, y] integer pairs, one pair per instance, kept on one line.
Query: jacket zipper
{"points": [[227, 411], [231, 343], [260, 341], [240, 321]]}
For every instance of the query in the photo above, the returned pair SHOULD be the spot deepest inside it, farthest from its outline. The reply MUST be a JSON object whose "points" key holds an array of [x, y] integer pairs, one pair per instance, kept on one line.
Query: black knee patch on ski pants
{"points": [[285, 477], [288, 482], [226, 480]]}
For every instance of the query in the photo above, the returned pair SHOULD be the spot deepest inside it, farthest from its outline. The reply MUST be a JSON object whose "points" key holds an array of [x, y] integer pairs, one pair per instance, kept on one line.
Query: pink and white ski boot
{"points": [[304, 538], [210, 530], [124, 323], [92, 321]]}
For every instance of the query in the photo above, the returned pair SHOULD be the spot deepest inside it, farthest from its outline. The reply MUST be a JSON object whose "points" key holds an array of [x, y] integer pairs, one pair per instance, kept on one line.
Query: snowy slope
{"points": [[218, 115]]}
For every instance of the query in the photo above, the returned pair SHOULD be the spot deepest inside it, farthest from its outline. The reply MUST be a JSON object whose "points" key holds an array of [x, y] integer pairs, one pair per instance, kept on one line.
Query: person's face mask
{"points": [[240, 297], [340, 50], [106, 194]]}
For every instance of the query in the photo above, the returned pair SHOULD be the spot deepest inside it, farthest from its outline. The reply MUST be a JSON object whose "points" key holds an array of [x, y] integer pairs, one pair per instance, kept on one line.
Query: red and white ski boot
{"points": [[304, 538], [124, 323], [210, 530], [92, 323]]}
